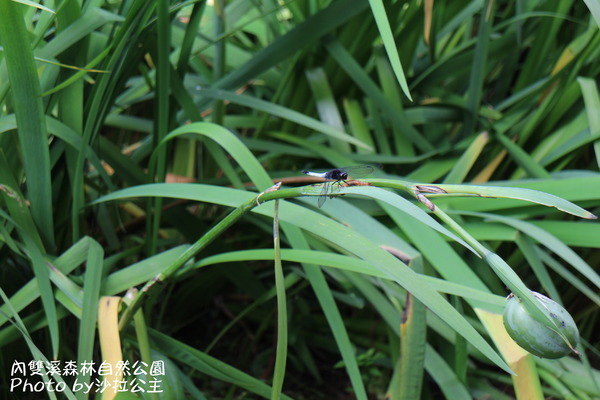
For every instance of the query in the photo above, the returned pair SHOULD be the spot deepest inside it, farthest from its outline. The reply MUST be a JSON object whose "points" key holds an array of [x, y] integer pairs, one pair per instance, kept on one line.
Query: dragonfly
{"points": [[335, 177]]}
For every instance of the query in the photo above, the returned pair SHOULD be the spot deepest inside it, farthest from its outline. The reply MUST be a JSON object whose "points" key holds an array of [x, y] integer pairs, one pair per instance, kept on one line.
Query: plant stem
{"points": [[282, 325], [466, 236]]}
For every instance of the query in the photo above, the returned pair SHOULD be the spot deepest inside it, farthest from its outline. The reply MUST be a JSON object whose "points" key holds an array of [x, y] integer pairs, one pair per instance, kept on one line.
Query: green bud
{"points": [[536, 337]]}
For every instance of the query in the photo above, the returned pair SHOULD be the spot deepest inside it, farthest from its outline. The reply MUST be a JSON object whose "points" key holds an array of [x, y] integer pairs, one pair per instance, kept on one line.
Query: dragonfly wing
{"points": [[334, 189], [323, 195], [359, 171], [321, 201]]}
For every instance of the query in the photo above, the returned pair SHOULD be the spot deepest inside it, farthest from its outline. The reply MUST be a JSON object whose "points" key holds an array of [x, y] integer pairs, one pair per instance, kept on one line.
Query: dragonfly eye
{"points": [[344, 175]]}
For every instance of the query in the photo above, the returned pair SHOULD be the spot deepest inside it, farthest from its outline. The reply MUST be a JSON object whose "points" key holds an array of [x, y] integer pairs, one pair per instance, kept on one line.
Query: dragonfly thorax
{"points": [[338, 175]]}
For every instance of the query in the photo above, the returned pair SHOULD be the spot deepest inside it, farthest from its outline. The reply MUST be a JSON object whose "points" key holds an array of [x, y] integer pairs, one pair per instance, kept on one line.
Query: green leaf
{"points": [[533, 196], [33, 4], [91, 297], [389, 43], [284, 113], [548, 240], [594, 7], [592, 104], [208, 365], [31, 122], [304, 34]]}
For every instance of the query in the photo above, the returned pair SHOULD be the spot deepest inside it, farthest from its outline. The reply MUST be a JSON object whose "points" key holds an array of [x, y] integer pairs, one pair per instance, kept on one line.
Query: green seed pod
{"points": [[536, 337]]}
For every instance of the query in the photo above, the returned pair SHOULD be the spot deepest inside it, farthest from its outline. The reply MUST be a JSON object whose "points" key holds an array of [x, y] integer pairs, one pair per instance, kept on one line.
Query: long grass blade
{"points": [[282, 320], [379, 13], [32, 131], [592, 105], [89, 309]]}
